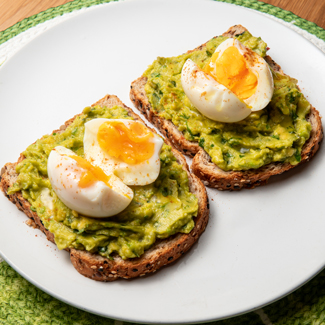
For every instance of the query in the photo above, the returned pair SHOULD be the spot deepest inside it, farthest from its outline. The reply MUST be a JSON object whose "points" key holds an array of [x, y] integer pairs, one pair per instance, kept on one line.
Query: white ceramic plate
{"points": [[259, 244]]}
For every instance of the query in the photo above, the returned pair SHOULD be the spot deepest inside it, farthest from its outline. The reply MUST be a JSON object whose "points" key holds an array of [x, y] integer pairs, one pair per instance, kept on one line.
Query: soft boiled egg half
{"points": [[86, 188], [117, 153], [126, 148], [235, 82]]}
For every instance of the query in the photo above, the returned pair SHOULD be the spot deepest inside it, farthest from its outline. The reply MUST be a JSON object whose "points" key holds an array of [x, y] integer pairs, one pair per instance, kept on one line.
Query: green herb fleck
{"points": [[201, 142], [189, 131], [164, 191], [298, 156], [294, 116], [184, 116]]}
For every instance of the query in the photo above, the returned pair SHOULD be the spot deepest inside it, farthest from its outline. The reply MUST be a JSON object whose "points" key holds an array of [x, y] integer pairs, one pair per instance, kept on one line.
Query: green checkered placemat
{"points": [[23, 303]]}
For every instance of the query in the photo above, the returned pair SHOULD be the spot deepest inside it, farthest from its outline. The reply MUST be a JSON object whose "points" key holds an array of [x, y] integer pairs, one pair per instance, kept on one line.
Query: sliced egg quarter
{"points": [[211, 98], [94, 195], [126, 148], [235, 82]]}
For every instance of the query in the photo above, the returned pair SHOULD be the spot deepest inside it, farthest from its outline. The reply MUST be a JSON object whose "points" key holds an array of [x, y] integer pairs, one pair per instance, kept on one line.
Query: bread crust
{"points": [[202, 166], [99, 268]]}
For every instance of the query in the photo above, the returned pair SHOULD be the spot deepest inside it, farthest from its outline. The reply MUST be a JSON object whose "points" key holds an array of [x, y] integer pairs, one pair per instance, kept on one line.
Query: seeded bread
{"points": [[202, 166], [99, 268]]}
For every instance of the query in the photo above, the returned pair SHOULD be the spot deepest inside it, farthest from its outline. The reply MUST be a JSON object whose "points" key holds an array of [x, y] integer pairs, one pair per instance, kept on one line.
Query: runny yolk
{"points": [[131, 143], [231, 70], [92, 174]]}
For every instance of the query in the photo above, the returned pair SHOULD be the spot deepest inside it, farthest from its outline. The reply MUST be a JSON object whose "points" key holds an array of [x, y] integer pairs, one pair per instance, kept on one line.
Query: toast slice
{"points": [[202, 166], [99, 268]]}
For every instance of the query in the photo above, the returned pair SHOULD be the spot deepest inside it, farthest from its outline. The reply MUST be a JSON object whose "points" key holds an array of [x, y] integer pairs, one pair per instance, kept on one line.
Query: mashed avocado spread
{"points": [[275, 134], [158, 210]]}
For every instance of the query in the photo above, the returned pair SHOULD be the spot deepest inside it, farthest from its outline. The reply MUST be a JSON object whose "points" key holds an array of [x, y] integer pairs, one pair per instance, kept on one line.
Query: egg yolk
{"points": [[231, 70], [131, 143], [92, 174]]}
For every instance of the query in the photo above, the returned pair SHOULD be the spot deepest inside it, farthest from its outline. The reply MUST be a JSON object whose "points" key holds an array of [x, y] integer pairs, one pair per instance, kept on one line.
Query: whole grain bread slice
{"points": [[202, 166], [100, 268]]}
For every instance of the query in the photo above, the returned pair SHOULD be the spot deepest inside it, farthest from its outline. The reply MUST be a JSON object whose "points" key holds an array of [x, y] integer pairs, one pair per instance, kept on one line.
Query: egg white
{"points": [[138, 174], [97, 200]]}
